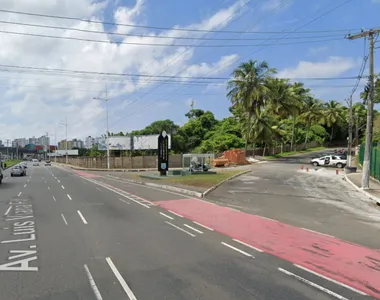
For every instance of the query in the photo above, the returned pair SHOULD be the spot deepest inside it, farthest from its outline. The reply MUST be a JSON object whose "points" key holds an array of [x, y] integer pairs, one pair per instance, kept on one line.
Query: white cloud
{"points": [[275, 4], [44, 99], [318, 50], [332, 67]]}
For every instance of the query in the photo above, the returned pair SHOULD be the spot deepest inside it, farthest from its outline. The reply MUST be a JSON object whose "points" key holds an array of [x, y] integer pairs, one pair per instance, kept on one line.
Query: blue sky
{"points": [[181, 13], [44, 101]]}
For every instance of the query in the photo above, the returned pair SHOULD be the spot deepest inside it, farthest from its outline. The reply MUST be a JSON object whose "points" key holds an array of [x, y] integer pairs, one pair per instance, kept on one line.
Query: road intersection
{"points": [[100, 238]]}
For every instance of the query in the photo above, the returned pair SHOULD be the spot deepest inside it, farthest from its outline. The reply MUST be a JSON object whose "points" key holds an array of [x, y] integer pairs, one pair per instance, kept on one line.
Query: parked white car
{"points": [[329, 161]]}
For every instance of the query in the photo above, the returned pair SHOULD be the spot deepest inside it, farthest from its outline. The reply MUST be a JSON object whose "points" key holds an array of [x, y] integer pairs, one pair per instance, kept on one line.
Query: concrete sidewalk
{"points": [[373, 193]]}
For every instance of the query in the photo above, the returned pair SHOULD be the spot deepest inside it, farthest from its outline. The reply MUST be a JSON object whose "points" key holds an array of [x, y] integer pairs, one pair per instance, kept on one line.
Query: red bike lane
{"points": [[350, 264]]}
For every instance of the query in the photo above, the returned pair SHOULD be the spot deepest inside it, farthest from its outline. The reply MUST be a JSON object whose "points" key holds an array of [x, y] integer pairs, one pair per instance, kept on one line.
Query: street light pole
{"points": [[67, 159], [107, 129], [349, 148]]}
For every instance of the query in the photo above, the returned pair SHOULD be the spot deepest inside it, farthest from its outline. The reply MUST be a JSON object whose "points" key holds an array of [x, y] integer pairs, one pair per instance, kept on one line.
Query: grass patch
{"points": [[12, 162], [202, 181], [285, 154]]}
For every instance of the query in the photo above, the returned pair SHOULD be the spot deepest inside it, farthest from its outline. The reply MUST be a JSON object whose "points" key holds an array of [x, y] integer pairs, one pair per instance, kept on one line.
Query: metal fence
{"points": [[375, 160]]}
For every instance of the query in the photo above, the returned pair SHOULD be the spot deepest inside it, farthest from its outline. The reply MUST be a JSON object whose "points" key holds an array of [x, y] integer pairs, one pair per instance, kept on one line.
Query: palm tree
{"points": [[248, 89], [333, 115], [360, 116], [302, 94], [312, 113]]}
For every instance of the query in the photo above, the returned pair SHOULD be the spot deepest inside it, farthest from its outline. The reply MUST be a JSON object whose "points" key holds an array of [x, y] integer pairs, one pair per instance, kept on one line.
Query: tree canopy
{"points": [[265, 111]]}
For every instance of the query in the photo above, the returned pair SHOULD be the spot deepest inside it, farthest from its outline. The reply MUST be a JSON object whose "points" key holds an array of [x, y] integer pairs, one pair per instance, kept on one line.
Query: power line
{"points": [[161, 28], [159, 36], [70, 71], [155, 44], [300, 27]]}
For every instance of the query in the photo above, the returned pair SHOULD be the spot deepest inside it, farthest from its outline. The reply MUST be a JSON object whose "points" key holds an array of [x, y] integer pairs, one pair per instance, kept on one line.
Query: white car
{"points": [[329, 161], [35, 162]]}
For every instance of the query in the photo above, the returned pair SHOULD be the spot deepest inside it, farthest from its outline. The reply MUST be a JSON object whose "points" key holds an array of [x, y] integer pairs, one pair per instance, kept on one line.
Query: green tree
{"points": [[248, 90], [333, 114], [312, 113]]}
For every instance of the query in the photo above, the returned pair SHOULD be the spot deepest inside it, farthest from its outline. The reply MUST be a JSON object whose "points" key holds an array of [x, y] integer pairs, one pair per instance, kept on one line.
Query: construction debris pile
{"points": [[231, 157]]}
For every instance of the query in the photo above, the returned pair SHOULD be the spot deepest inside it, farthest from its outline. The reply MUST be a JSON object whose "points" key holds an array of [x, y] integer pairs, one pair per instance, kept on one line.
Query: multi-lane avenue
{"points": [[70, 235]]}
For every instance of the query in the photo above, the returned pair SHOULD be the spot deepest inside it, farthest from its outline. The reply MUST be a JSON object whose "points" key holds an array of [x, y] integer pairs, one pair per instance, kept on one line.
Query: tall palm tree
{"points": [[333, 115], [312, 113], [248, 89], [302, 94]]}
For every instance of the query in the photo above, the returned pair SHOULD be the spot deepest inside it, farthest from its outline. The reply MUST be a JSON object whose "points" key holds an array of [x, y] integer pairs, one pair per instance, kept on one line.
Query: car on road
{"points": [[330, 161], [48, 163], [18, 170], [35, 162]]}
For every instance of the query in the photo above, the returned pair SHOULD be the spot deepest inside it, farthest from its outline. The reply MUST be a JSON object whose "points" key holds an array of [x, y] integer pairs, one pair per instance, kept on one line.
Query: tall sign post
{"points": [[163, 153]]}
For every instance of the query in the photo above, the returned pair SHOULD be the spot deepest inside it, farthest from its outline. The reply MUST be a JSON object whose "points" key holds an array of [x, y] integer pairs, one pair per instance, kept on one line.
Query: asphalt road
{"points": [[317, 199], [72, 235]]}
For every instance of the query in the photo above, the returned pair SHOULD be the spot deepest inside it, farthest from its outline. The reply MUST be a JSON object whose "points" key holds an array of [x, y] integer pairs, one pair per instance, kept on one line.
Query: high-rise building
{"points": [[89, 143], [76, 143], [33, 140], [44, 141]]}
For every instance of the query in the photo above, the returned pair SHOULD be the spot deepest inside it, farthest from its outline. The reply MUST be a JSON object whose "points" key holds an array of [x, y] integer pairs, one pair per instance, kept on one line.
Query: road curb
{"points": [[181, 190], [362, 191], [223, 181], [162, 186]]}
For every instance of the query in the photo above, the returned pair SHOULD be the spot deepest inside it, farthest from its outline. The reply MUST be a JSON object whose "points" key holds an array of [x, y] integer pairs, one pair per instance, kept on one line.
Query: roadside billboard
{"points": [[63, 153], [147, 142], [119, 142]]}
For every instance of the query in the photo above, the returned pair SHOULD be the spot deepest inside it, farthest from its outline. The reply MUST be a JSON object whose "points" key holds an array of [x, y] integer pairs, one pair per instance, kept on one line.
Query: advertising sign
{"points": [[119, 142], [163, 153], [148, 142]]}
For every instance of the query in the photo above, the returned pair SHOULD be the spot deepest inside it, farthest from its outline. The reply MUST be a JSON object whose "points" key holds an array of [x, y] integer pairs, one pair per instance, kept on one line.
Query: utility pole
{"points": [[368, 139], [8, 141], [67, 159], [107, 130], [349, 148]]}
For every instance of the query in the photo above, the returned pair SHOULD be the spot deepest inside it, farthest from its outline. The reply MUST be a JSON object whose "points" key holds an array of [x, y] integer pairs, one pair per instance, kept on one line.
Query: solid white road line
{"points": [[25, 185], [172, 212], [81, 216], [332, 280], [192, 228], [236, 249], [68, 196], [122, 282], [8, 210], [204, 226], [62, 187], [266, 218], [169, 217], [254, 248], [54, 199], [179, 228], [317, 232], [64, 219], [117, 192], [19, 194], [98, 189], [95, 289], [331, 293]]}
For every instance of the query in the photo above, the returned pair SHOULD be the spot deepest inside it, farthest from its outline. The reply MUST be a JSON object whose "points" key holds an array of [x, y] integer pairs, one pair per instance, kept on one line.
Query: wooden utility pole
{"points": [[368, 139]]}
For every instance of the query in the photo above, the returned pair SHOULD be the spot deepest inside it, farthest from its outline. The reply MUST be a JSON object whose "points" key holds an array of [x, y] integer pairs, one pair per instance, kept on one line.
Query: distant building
{"points": [[20, 143], [89, 142], [76, 143], [33, 140]]}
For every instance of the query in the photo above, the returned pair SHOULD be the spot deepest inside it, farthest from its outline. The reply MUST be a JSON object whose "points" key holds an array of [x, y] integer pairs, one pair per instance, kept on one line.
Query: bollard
{"points": [[337, 172], [307, 169], [301, 167]]}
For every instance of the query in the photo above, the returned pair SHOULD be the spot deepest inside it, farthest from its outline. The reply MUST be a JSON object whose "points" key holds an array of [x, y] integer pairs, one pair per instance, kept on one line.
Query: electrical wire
{"points": [[212, 71], [161, 28], [158, 36]]}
